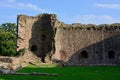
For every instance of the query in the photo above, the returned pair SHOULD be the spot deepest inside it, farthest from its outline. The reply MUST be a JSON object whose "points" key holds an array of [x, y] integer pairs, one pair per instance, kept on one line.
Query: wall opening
{"points": [[84, 54], [43, 37], [111, 54], [33, 48], [43, 59], [43, 55]]}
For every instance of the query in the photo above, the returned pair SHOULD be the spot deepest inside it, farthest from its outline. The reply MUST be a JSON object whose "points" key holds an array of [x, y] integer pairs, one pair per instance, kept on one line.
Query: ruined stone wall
{"points": [[36, 35], [76, 44], [25, 24], [97, 41]]}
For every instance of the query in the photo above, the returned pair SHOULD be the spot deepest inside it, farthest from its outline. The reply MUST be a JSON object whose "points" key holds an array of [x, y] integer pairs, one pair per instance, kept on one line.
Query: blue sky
{"points": [[67, 11]]}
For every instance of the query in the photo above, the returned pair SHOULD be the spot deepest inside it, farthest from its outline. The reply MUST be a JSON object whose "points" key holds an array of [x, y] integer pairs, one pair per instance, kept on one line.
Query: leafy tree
{"points": [[8, 39]]}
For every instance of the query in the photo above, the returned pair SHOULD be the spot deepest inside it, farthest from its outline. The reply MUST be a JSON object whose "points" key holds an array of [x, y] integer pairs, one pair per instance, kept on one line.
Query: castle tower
{"points": [[36, 34]]}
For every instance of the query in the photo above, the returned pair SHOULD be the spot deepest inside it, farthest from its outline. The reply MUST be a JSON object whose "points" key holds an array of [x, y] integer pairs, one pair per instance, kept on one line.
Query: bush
{"points": [[21, 51]]}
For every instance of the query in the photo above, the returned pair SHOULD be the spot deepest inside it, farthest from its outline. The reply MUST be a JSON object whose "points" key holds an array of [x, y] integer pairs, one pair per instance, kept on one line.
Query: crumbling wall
{"points": [[45, 38], [97, 41], [36, 35], [25, 24]]}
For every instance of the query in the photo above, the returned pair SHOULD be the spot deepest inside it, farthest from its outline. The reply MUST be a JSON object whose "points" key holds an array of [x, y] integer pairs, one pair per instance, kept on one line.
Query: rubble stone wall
{"points": [[75, 44]]}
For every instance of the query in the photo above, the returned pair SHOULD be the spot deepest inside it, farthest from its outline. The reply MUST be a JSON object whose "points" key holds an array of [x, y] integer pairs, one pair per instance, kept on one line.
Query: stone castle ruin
{"points": [[75, 44]]}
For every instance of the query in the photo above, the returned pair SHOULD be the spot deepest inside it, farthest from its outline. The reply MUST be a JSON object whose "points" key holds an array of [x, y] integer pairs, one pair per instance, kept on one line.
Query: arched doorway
{"points": [[84, 54], [111, 54]]}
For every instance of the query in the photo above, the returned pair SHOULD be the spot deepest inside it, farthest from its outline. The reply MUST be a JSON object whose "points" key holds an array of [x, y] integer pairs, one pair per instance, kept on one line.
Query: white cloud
{"points": [[32, 7], [110, 6], [92, 19], [24, 6]]}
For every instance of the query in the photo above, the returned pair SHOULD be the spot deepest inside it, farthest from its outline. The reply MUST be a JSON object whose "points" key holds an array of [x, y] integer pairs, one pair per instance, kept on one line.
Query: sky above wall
{"points": [[67, 11]]}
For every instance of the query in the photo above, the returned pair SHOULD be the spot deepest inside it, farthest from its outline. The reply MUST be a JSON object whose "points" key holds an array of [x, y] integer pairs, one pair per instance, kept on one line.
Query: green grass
{"points": [[68, 73]]}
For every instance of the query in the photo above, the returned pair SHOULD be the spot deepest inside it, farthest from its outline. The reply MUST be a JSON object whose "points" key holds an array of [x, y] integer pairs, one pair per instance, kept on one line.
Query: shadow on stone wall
{"points": [[41, 42], [105, 52]]}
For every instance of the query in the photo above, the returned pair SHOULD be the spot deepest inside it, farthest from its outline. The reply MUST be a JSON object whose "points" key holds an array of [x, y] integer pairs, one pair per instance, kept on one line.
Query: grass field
{"points": [[68, 73]]}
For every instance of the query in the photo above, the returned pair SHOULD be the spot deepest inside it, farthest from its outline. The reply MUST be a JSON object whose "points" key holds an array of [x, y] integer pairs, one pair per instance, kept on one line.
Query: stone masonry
{"points": [[75, 44]]}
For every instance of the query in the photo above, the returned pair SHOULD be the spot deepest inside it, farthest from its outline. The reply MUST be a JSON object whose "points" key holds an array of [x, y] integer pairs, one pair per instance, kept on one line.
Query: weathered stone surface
{"points": [[16, 67], [6, 71], [5, 59], [9, 72], [10, 66], [76, 44], [11, 63]]}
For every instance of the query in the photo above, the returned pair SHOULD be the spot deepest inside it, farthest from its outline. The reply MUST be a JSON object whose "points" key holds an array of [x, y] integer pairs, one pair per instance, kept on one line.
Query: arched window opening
{"points": [[111, 54], [33, 48], [43, 37], [84, 54]]}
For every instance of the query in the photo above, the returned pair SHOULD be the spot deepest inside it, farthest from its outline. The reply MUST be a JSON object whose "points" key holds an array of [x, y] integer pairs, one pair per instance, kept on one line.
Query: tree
{"points": [[8, 39]]}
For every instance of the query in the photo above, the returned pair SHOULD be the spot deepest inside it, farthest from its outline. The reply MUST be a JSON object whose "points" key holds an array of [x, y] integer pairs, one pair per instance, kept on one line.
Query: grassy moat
{"points": [[67, 73]]}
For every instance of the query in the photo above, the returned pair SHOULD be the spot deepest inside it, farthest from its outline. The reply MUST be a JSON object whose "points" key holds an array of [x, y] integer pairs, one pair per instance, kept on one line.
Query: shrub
{"points": [[21, 51]]}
